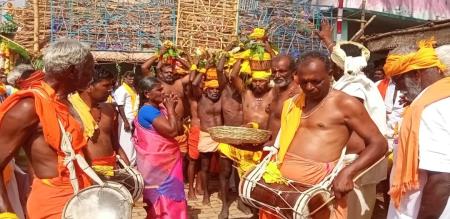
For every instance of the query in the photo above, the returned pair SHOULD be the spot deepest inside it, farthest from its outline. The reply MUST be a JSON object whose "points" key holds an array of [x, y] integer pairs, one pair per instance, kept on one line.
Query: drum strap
{"points": [[71, 156]]}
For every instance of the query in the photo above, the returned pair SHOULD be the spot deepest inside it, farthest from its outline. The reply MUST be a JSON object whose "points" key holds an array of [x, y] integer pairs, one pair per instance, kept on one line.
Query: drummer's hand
{"points": [[343, 183]]}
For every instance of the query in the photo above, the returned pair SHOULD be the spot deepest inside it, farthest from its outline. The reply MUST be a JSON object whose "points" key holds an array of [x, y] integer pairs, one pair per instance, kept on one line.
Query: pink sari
{"points": [[159, 160]]}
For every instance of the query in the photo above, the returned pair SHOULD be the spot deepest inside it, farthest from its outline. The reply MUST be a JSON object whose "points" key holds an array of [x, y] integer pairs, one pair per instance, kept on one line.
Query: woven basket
{"points": [[260, 65], [238, 135]]}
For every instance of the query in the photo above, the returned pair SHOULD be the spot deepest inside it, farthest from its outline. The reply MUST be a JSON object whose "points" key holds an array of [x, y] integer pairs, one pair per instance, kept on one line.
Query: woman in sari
{"points": [[158, 155]]}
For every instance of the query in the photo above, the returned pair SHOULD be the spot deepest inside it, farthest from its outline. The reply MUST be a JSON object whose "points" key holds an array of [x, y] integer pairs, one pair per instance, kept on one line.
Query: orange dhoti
{"points": [[309, 172], [48, 197]]}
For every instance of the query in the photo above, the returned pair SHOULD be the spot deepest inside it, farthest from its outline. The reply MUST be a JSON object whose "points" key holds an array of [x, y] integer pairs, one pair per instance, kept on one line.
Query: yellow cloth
{"points": [[258, 33], [290, 122], [273, 174], [211, 84], [243, 158], [423, 58], [110, 99], [261, 75], [133, 96], [245, 67], [8, 215], [105, 170], [83, 110], [266, 57]]}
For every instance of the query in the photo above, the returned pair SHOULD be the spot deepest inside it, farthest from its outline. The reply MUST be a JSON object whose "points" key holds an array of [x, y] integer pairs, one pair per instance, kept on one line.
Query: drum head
{"points": [[121, 188], [98, 202]]}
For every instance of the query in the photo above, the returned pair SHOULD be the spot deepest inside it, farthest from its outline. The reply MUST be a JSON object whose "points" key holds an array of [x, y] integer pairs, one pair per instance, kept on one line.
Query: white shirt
{"points": [[122, 98], [361, 87], [394, 111], [434, 155]]}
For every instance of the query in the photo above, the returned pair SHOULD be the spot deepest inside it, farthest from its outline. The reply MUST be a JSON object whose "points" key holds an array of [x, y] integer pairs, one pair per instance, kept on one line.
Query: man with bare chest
{"points": [[177, 87], [31, 118], [98, 120], [208, 113], [232, 114], [256, 100], [315, 127], [283, 70]]}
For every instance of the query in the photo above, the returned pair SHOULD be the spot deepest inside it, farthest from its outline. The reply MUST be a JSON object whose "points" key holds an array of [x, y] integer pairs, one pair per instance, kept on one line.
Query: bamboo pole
{"points": [[363, 15], [361, 31], [36, 26]]}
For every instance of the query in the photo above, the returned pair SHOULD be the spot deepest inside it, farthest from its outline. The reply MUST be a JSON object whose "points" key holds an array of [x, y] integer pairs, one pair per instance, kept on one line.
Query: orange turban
{"points": [[211, 84], [423, 58]]}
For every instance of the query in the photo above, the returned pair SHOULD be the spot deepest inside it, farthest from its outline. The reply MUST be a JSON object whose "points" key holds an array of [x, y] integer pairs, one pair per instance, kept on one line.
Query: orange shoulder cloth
{"points": [[49, 109], [406, 174]]}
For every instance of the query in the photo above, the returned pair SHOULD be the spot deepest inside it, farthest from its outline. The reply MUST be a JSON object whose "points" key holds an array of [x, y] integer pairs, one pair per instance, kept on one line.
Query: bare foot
{"points": [[206, 200], [191, 195], [243, 208], [224, 213]]}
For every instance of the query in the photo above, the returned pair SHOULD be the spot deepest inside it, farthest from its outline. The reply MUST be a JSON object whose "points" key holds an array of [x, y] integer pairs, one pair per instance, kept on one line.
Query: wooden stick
{"points": [[361, 31], [412, 30], [36, 26]]}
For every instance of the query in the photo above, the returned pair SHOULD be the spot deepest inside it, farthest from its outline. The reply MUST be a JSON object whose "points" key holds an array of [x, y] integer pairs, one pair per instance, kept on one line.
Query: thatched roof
{"points": [[440, 30]]}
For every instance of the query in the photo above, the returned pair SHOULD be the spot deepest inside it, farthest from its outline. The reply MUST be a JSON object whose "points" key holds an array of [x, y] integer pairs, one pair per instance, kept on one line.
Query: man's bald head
{"points": [[283, 68]]}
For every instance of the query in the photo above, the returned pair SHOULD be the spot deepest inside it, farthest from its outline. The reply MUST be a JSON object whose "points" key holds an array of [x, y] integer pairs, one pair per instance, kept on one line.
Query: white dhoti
{"points": [[13, 194], [126, 143], [367, 184]]}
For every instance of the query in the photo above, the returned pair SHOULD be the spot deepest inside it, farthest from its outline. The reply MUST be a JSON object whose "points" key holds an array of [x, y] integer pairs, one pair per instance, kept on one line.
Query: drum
{"points": [[130, 178], [98, 202], [293, 200]]}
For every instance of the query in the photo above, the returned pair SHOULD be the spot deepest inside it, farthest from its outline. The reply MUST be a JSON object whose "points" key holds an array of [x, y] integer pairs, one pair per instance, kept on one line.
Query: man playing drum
{"points": [[30, 117], [99, 119], [315, 127]]}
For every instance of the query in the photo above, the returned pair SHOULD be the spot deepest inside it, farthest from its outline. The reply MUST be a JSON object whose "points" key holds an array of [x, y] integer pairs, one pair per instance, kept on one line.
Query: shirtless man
{"points": [[283, 71], [232, 116], [99, 119], [317, 128], [29, 119], [353, 82], [209, 113], [256, 101], [166, 74]]}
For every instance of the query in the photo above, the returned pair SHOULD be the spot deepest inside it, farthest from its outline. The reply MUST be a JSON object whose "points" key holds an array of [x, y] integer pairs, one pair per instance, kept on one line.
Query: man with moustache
{"points": [[420, 176], [167, 73], [99, 119], [283, 71]]}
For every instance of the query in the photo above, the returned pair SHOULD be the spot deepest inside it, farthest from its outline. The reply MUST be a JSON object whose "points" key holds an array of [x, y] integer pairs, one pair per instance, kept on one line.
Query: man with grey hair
{"points": [[443, 52], [31, 118], [420, 176]]}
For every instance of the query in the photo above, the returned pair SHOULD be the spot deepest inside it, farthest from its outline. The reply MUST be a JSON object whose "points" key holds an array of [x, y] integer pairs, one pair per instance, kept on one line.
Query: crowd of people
{"points": [[320, 109]]}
